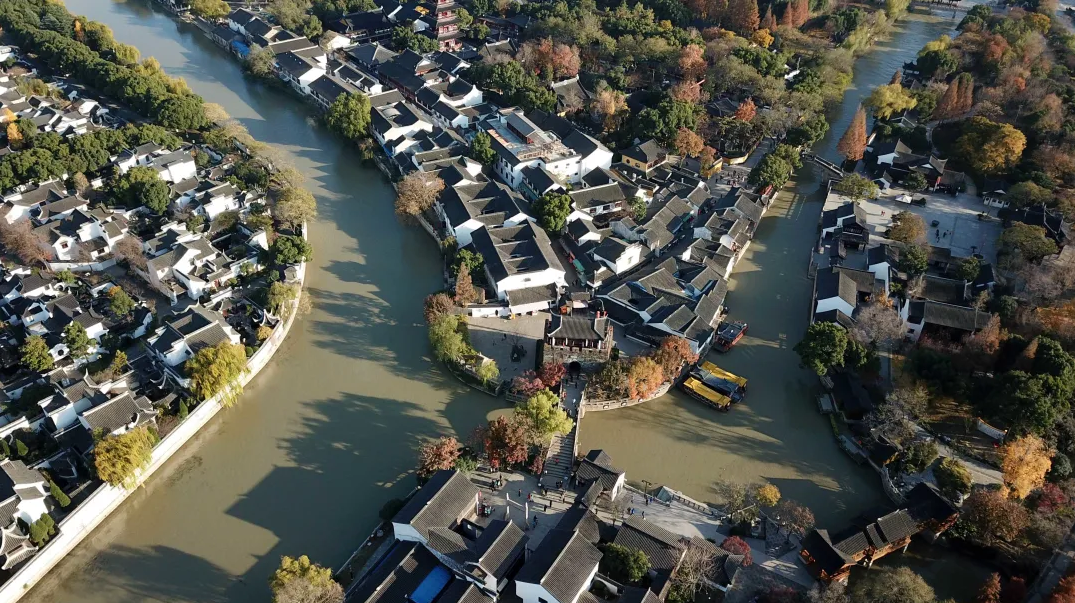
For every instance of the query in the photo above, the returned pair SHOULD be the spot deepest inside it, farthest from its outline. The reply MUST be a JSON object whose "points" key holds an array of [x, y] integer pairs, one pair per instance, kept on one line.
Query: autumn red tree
{"points": [[768, 21], [692, 63], [746, 110], [465, 293], [948, 105], [687, 143], [737, 546], [644, 377], [552, 373], [990, 591], [787, 18], [550, 60], [673, 353], [852, 144], [800, 12], [897, 77], [686, 92], [743, 16], [528, 384], [993, 516], [1014, 591], [1064, 591], [504, 441], [966, 92], [436, 455], [1051, 499]]}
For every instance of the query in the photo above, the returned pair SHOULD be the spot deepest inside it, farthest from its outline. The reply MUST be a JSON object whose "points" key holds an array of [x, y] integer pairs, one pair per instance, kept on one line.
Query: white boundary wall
{"points": [[97, 506]]}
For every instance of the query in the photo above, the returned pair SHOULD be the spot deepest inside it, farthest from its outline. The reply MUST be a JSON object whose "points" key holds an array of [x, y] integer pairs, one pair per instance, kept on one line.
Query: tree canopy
{"points": [[823, 347], [543, 415], [552, 210], [349, 115], [216, 370], [119, 459]]}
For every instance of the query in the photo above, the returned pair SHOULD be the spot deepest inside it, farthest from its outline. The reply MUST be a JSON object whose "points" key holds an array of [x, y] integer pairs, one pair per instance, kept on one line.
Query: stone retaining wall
{"points": [[98, 505], [598, 405]]}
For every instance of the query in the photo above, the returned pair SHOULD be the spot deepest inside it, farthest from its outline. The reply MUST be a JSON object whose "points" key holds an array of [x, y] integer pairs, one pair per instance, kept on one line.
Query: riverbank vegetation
{"points": [[995, 101]]}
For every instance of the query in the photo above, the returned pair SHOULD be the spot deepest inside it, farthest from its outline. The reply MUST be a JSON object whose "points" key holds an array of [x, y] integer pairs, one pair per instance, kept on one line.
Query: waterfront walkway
{"points": [[688, 521]]}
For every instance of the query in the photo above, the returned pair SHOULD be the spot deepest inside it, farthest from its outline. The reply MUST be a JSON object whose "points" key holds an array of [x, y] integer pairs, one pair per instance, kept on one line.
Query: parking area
{"points": [[497, 337], [951, 222]]}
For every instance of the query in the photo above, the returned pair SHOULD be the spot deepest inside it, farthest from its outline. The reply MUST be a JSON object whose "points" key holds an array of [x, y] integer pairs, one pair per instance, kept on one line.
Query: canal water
{"points": [[326, 434], [778, 434]]}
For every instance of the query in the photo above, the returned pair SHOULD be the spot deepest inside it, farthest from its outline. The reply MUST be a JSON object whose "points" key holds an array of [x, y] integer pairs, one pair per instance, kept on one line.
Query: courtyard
{"points": [[958, 226], [496, 337]]}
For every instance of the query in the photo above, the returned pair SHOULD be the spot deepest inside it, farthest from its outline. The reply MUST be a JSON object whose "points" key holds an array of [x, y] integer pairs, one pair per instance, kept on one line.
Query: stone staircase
{"points": [[561, 457]]}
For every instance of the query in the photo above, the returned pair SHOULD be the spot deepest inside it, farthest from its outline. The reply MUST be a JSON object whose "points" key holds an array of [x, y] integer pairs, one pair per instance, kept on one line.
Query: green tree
{"points": [[210, 9], [1029, 241], [42, 529], [969, 268], [823, 347], [181, 112], [953, 478], [770, 171], [119, 363], [184, 409], [919, 456], [914, 259], [216, 370], [1026, 194], [35, 354], [449, 338], [544, 416], [76, 339], [119, 459], [885, 101], [405, 38], [937, 64], [481, 149], [552, 210], [624, 564], [809, 132], [915, 182], [300, 580], [119, 302], [857, 187], [287, 250], [21, 449], [61, 498], [349, 115], [260, 62], [900, 585]]}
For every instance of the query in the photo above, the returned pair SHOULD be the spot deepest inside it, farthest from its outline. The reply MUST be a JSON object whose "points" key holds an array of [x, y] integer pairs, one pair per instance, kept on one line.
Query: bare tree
{"points": [[129, 249], [835, 592], [416, 193], [695, 570], [879, 324], [21, 240]]}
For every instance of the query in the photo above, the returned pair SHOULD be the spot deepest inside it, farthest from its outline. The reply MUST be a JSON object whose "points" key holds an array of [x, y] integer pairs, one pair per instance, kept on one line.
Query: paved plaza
{"points": [[958, 227], [495, 337], [521, 499]]}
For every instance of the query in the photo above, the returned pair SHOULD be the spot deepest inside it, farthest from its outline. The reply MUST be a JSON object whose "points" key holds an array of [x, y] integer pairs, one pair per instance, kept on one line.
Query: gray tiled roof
{"points": [[498, 547], [447, 496], [515, 249], [661, 546], [120, 411], [562, 563], [587, 328]]}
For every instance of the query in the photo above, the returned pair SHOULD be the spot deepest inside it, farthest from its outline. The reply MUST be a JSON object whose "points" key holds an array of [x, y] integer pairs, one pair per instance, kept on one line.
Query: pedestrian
{"points": [[530, 496], [938, 233], [643, 514], [520, 492], [546, 507]]}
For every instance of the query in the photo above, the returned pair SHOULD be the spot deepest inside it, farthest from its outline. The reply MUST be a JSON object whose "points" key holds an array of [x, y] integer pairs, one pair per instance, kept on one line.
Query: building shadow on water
{"points": [[348, 451], [124, 574]]}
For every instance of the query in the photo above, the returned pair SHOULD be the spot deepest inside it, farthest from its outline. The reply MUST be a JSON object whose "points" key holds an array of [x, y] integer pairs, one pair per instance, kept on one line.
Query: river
{"points": [[326, 434], [778, 434]]}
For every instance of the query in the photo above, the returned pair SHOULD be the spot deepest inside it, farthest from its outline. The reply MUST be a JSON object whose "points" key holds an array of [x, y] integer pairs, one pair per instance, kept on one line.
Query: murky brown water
{"points": [[326, 433]]}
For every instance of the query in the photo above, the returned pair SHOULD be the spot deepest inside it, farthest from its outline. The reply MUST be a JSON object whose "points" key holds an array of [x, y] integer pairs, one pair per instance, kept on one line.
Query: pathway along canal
{"points": [[325, 435]]}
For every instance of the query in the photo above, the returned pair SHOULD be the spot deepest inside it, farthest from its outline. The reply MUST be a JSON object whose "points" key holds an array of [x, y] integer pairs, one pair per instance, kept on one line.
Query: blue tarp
{"points": [[240, 48], [431, 585]]}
